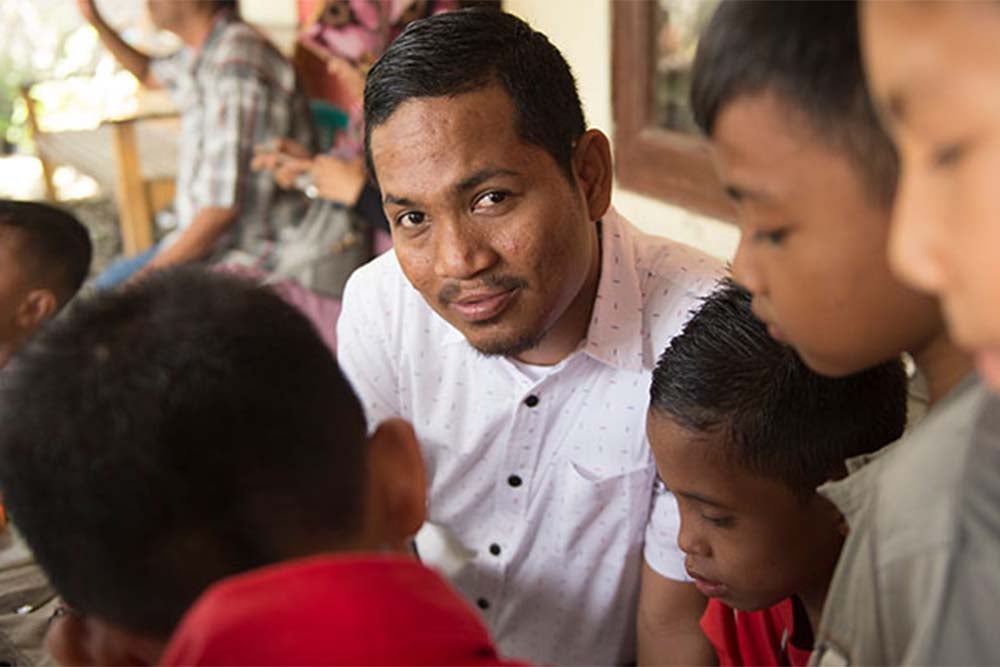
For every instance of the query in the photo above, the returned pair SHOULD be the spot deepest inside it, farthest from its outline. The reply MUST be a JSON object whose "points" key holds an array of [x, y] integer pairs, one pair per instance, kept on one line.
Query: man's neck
{"points": [[943, 365], [194, 32]]}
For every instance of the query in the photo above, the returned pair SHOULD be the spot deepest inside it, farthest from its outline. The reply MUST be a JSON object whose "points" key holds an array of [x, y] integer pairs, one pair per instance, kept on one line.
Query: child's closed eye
{"points": [[718, 521]]}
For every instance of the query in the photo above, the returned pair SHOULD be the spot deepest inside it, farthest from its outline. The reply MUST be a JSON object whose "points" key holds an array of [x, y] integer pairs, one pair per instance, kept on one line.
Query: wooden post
{"points": [[133, 208]]}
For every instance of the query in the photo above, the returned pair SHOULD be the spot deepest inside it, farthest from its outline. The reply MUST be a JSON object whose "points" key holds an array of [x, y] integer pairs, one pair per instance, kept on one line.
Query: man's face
{"points": [[168, 14], [812, 245], [933, 70], [487, 227], [748, 540], [13, 287]]}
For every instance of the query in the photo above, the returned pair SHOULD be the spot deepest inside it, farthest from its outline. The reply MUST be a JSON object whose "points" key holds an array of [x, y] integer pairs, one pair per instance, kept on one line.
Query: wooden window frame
{"points": [[675, 167]]}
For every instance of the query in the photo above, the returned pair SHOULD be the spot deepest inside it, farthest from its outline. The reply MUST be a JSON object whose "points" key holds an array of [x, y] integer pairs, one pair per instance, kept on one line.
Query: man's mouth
{"points": [[482, 306]]}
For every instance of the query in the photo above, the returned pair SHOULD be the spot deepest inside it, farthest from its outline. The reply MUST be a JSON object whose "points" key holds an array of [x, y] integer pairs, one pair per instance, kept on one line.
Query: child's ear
{"points": [[37, 306], [397, 483]]}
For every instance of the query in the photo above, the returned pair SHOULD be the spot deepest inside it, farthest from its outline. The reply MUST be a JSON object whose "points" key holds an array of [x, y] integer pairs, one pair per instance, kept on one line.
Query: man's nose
{"points": [[460, 250]]}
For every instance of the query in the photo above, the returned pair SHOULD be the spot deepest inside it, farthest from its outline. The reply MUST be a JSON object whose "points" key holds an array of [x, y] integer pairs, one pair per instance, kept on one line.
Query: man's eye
{"points": [[490, 199], [411, 219], [771, 236]]}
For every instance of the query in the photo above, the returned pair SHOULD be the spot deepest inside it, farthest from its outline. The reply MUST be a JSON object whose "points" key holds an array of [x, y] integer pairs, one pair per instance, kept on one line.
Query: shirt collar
{"points": [[614, 336], [219, 24]]}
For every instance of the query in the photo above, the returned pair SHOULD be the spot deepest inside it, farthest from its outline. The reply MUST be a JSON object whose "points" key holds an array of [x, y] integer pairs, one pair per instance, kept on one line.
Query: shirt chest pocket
{"points": [[604, 511]]}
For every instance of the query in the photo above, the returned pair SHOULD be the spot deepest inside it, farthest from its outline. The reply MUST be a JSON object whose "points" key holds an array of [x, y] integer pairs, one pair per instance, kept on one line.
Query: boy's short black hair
{"points": [[725, 375], [467, 50], [55, 247], [161, 437], [808, 53]]}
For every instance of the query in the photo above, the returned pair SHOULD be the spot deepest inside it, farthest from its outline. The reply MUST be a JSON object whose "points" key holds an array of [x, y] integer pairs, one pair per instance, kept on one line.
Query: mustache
{"points": [[453, 290]]}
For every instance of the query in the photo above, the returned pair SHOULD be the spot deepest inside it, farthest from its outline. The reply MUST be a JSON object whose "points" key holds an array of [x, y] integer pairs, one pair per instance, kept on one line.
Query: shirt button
{"points": [[495, 549], [514, 481], [483, 603], [531, 401]]}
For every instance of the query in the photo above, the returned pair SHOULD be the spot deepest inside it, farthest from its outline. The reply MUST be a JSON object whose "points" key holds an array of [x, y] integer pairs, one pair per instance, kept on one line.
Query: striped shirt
{"points": [[237, 92]]}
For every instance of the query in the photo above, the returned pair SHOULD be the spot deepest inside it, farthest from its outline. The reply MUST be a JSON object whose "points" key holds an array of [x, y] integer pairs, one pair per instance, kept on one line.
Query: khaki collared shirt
{"points": [[918, 581]]}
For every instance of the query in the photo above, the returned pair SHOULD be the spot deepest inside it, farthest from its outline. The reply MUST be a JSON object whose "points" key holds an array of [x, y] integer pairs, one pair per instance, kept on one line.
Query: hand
{"points": [[88, 9], [339, 180], [288, 169], [268, 156]]}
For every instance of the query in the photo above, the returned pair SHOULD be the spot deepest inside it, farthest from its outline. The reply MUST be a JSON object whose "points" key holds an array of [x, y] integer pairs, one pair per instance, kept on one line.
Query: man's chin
{"points": [[504, 346]]}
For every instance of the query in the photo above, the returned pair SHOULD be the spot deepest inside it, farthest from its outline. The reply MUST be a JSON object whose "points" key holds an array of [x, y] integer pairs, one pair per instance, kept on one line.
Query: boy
{"points": [[931, 69], [743, 432], [206, 439], [946, 228], [812, 175], [44, 257]]}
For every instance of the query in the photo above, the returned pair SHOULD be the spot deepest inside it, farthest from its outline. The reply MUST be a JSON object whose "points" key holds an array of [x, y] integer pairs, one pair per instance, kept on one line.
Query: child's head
{"points": [[185, 429], [44, 258], [933, 70], [778, 87], [742, 433]]}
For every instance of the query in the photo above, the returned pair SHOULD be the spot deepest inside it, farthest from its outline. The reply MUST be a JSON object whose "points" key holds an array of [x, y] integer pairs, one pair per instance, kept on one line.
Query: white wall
{"points": [[581, 29]]}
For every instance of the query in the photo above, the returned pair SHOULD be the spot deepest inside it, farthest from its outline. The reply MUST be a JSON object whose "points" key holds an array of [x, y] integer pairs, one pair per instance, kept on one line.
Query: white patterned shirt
{"points": [[547, 485]]}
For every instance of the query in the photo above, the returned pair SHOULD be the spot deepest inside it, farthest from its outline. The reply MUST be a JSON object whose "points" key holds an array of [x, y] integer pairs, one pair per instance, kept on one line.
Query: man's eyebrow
{"points": [[480, 177], [466, 184], [702, 499], [397, 201]]}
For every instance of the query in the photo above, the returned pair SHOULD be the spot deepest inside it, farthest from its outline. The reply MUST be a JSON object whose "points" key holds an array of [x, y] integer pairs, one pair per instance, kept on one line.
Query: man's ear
{"points": [[37, 306], [74, 639], [593, 168], [397, 482]]}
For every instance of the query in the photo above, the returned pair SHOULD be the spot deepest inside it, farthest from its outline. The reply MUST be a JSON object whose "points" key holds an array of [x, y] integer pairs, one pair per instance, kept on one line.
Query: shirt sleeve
{"points": [[361, 354], [165, 69], [661, 551]]}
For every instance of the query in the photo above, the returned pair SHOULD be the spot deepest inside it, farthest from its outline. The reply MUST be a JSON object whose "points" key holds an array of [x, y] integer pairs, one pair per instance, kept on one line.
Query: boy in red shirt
{"points": [[218, 499], [743, 433]]}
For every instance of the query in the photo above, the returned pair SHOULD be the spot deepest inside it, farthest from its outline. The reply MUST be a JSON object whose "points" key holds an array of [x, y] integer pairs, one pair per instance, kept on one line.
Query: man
{"points": [[516, 325], [234, 91]]}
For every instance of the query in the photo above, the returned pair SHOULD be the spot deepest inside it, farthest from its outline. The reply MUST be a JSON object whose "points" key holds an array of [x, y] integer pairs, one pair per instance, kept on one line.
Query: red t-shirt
{"points": [[778, 635], [332, 610]]}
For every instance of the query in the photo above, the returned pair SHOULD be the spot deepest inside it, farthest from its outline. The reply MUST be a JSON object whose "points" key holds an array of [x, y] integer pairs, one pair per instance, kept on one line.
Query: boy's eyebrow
{"points": [[702, 499], [739, 193], [894, 109]]}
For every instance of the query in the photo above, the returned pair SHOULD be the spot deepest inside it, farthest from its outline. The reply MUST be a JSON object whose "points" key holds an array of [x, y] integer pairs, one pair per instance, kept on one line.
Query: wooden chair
{"points": [[133, 156]]}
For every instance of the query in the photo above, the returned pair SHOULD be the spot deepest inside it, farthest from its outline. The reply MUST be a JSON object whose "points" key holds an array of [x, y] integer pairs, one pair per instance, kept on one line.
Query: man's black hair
{"points": [[809, 55], [470, 49], [55, 248], [181, 430], [724, 375]]}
